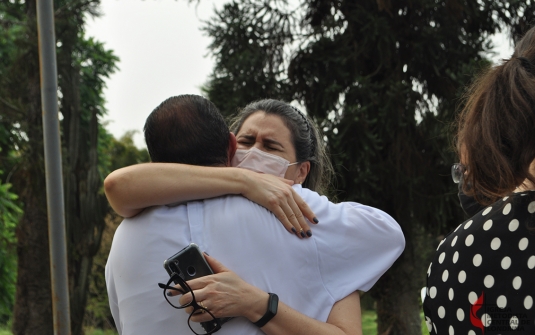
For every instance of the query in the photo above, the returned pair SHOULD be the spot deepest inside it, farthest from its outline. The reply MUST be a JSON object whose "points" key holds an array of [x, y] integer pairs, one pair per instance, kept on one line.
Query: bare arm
{"points": [[344, 319], [226, 294], [133, 188]]}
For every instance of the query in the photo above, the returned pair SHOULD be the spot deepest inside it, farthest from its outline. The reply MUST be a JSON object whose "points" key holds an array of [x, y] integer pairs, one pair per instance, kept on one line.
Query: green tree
{"points": [[10, 211], [82, 66], [383, 79], [117, 153], [9, 215], [22, 116]]}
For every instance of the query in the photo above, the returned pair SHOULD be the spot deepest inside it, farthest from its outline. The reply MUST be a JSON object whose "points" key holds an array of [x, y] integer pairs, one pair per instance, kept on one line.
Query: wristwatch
{"points": [[273, 305]]}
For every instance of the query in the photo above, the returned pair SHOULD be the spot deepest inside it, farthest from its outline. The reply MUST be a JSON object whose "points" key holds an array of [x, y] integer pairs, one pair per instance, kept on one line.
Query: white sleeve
{"points": [[356, 243]]}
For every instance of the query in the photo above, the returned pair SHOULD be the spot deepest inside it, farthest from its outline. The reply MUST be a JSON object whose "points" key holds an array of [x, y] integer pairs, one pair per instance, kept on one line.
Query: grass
{"points": [[98, 332], [369, 324], [5, 331]]}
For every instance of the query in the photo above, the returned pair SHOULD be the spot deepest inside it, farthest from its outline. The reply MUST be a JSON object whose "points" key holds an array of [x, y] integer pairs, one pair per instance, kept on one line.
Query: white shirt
{"points": [[351, 247]]}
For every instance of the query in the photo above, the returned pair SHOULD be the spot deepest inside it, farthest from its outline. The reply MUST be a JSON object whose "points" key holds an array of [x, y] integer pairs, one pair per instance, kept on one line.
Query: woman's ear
{"points": [[231, 147], [304, 169]]}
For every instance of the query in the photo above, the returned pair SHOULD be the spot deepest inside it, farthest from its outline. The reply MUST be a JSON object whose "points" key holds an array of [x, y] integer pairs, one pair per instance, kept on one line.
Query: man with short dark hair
{"points": [[187, 129]]}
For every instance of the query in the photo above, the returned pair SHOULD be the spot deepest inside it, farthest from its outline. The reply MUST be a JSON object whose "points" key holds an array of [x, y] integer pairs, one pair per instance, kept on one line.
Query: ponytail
{"points": [[496, 129]]}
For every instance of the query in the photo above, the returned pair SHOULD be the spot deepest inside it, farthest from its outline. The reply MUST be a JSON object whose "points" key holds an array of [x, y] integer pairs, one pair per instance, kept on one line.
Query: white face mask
{"points": [[259, 161]]}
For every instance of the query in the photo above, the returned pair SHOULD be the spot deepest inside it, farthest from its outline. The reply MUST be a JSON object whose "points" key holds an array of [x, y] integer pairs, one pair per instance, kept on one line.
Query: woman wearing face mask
{"points": [[481, 278], [277, 140]]}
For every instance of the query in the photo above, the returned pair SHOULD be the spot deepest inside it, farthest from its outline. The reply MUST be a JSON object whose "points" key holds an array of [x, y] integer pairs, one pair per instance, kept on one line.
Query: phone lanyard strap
{"points": [[196, 222]]}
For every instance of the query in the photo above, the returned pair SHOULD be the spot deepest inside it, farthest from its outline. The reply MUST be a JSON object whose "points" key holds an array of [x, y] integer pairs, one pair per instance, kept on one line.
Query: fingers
{"points": [[304, 228], [173, 290], [216, 266], [185, 299], [303, 207], [287, 181], [201, 282], [199, 315], [291, 217], [293, 214], [281, 215], [299, 210]]}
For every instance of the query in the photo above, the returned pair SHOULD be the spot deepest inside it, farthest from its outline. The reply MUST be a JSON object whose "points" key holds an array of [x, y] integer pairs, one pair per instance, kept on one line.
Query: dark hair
{"points": [[496, 130], [187, 129], [306, 138]]}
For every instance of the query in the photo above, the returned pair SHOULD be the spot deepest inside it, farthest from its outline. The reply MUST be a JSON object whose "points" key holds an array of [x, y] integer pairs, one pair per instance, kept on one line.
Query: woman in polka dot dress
{"points": [[482, 277]]}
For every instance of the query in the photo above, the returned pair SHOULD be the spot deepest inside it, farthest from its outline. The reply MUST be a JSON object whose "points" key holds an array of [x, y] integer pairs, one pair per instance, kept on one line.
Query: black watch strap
{"points": [[273, 305]]}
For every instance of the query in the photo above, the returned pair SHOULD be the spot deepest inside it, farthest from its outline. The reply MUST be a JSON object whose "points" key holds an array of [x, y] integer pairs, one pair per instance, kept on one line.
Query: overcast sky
{"points": [[162, 53]]}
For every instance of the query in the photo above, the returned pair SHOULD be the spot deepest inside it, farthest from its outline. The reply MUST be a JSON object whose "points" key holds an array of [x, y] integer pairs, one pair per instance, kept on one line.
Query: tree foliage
{"points": [[249, 47], [83, 64], [117, 153], [9, 216], [383, 79]]}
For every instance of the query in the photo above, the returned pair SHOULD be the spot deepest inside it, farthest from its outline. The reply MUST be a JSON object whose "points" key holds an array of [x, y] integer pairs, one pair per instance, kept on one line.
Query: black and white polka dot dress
{"points": [[482, 277]]}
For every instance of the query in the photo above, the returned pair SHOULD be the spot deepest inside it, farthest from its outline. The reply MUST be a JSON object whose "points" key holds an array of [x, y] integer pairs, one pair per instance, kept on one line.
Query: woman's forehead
{"points": [[265, 125]]}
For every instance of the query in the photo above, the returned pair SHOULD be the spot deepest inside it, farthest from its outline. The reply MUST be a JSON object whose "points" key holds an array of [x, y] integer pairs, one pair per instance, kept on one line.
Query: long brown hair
{"points": [[496, 130]]}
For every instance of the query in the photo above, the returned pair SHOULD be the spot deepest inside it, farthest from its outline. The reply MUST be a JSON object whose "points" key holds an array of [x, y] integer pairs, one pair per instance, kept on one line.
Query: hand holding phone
{"points": [[189, 263]]}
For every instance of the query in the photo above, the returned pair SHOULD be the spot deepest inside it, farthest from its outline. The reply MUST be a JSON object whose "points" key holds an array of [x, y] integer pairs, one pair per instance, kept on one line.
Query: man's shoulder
{"points": [[231, 199], [303, 191], [159, 211], [150, 220], [312, 198]]}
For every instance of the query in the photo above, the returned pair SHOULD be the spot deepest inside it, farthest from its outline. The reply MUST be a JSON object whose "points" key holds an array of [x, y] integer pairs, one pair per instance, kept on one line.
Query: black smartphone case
{"points": [[189, 263]]}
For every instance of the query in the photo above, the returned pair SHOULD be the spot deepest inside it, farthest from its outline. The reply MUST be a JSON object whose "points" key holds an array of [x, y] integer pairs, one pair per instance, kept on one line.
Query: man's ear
{"points": [[232, 145]]}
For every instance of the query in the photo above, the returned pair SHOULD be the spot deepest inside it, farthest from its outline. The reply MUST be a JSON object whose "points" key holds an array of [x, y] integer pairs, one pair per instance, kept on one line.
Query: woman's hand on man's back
{"points": [[277, 195]]}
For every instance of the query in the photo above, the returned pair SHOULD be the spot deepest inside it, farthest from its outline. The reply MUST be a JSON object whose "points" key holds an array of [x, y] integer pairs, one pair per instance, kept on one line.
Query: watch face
{"points": [[273, 305]]}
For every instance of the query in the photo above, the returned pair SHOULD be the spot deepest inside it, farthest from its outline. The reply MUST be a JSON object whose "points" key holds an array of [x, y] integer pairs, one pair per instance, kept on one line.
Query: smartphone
{"points": [[189, 263]]}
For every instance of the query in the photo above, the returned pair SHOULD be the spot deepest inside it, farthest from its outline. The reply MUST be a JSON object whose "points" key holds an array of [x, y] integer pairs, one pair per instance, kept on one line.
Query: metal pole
{"points": [[54, 181]]}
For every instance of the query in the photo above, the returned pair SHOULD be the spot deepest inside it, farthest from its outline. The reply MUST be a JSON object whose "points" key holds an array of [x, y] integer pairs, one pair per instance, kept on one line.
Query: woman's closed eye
{"points": [[245, 143], [272, 145], [246, 140], [248, 144], [268, 144]]}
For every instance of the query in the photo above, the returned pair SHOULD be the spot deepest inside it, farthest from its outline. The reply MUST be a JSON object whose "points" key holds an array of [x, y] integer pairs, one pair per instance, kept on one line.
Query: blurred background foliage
{"points": [[9, 215], [384, 79], [88, 152]]}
